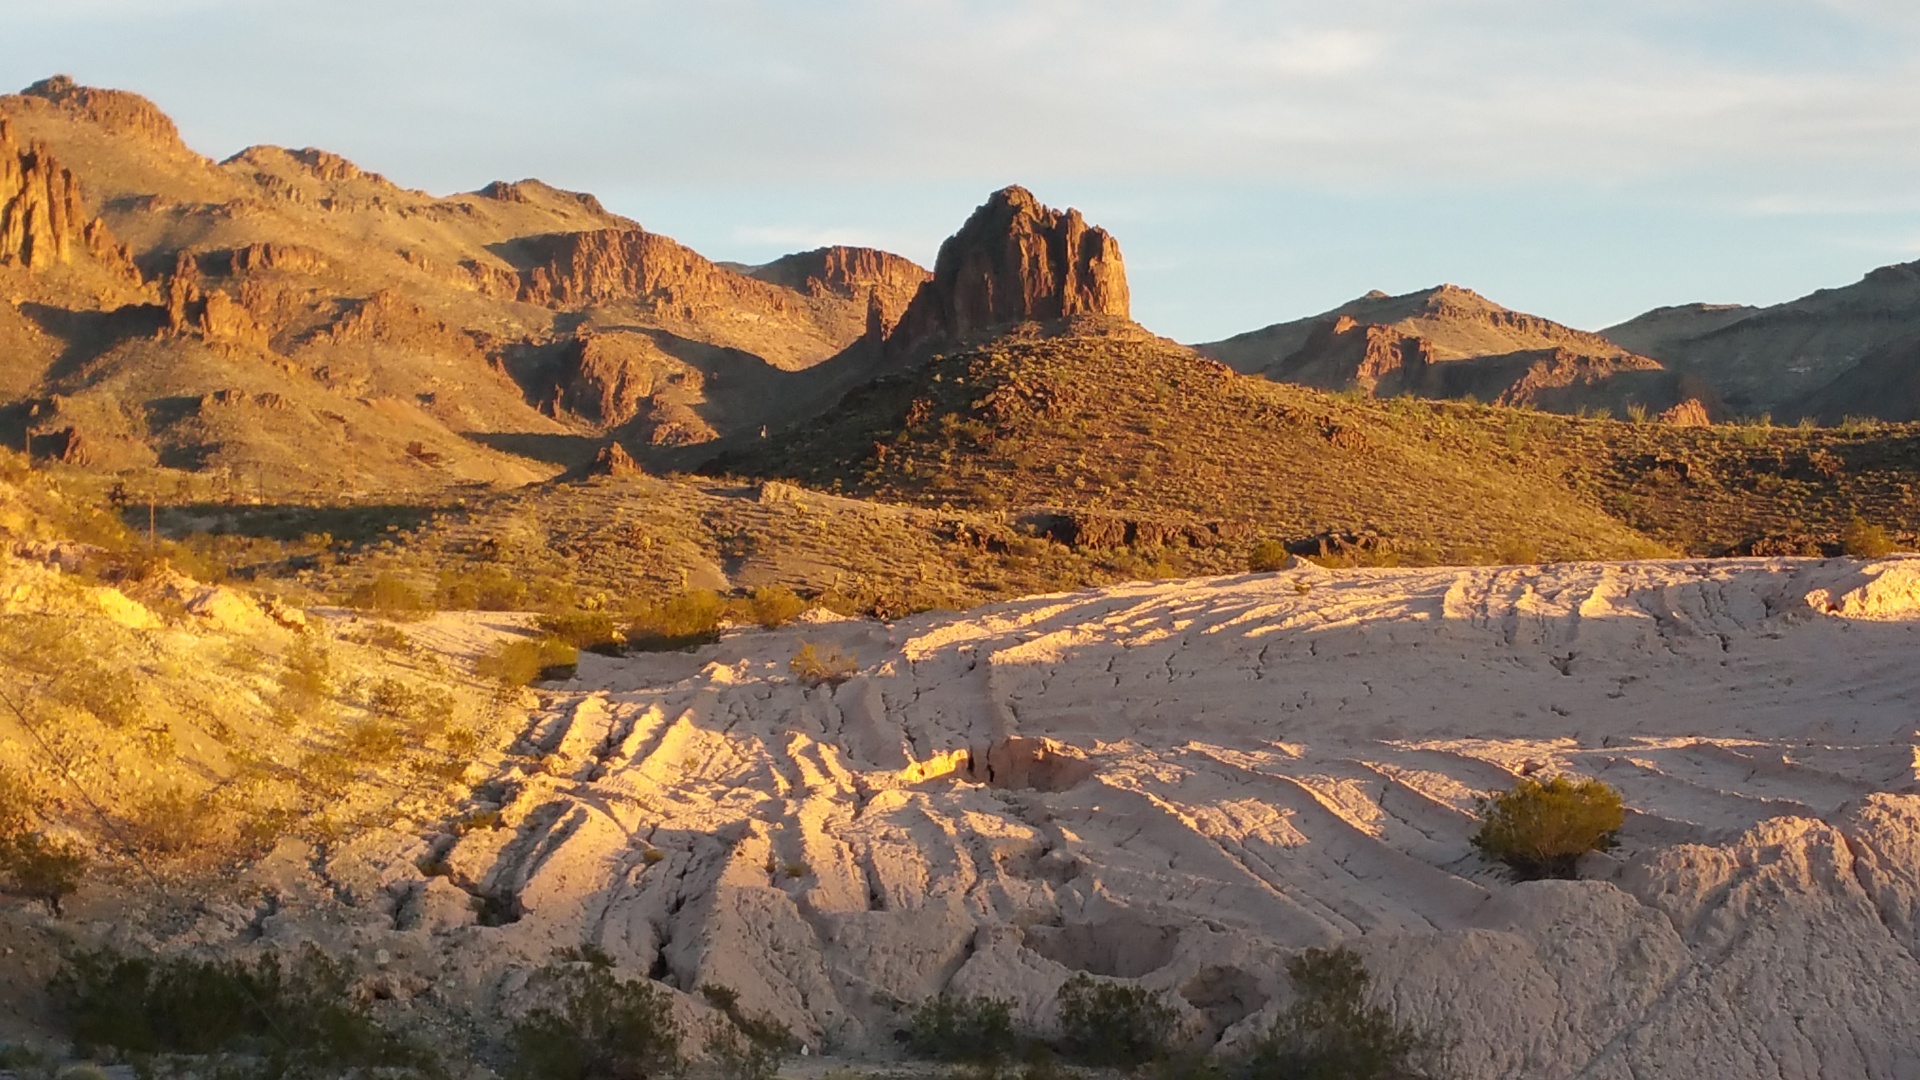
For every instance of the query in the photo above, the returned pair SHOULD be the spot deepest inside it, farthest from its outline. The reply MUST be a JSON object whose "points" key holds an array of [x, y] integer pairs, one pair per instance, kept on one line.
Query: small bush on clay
{"points": [[1267, 556], [1330, 1033], [1540, 830], [680, 622], [517, 663], [389, 597], [603, 1028], [815, 668], [775, 605], [969, 1029], [1864, 541], [1111, 1024]]}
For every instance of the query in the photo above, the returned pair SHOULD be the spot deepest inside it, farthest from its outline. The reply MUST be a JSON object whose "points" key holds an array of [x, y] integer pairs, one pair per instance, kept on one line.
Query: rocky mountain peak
{"points": [[116, 111], [1016, 260]]}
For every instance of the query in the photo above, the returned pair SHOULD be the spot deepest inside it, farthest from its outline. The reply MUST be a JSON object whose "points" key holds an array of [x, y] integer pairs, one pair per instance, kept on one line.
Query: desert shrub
{"points": [[1331, 1033], [171, 821], [970, 1029], [390, 597], [594, 631], [1267, 556], [745, 1046], [815, 668], [1517, 551], [1112, 1024], [1540, 830], [679, 622], [527, 660], [775, 605], [306, 679], [1864, 541], [298, 1015], [43, 868], [602, 1028], [484, 588]]}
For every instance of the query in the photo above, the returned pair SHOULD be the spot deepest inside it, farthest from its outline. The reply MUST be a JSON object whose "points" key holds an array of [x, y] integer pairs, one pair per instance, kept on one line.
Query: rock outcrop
{"points": [[42, 217], [1015, 261], [213, 314], [116, 111], [603, 266], [854, 273]]}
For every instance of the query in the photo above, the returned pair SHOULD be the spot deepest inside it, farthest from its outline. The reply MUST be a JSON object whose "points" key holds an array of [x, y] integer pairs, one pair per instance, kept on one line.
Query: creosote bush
{"points": [[33, 864], [594, 631], [1267, 556], [294, 1016], [526, 660], [390, 597], [679, 622], [1331, 1033], [1864, 541], [775, 606], [745, 1046], [1113, 1024], [977, 1030], [1540, 830], [601, 1028], [816, 668]]}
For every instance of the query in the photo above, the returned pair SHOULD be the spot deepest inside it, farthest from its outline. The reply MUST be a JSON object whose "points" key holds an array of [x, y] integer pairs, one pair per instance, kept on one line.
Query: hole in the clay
{"points": [[1224, 995], [1122, 947], [1019, 762]]}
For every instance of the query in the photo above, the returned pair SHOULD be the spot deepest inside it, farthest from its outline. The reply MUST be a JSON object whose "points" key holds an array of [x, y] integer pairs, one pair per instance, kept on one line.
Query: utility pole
{"points": [[152, 545]]}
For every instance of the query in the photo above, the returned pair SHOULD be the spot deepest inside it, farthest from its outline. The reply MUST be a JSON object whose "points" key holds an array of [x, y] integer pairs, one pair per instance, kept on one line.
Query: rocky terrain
{"points": [[1449, 342], [1827, 354]]}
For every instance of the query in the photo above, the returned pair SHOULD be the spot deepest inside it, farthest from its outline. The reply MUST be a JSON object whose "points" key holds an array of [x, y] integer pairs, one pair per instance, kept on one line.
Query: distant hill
{"points": [[288, 320], [1780, 359], [1449, 342]]}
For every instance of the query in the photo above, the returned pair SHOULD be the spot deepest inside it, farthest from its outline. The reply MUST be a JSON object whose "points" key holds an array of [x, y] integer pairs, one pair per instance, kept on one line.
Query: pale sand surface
{"points": [[1185, 782]]}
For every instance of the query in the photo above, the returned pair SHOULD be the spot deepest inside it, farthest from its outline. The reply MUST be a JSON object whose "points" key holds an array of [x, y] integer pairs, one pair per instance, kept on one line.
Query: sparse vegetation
{"points": [[977, 1030], [814, 667], [1865, 541], [601, 1027], [288, 1016], [1267, 556], [390, 597], [679, 622], [1540, 830], [1330, 1032], [1113, 1024], [527, 660]]}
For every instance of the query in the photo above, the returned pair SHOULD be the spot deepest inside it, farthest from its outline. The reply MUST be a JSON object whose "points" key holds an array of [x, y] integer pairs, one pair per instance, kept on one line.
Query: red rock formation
{"points": [[211, 314], [1013, 261], [1344, 353], [613, 460], [1689, 413], [270, 256], [116, 111], [42, 217], [606, 265], [887, 281]]}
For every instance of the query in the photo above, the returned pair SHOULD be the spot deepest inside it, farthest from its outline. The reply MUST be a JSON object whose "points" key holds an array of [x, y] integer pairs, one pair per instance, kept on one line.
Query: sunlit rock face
{"points": [[1185, 783]]}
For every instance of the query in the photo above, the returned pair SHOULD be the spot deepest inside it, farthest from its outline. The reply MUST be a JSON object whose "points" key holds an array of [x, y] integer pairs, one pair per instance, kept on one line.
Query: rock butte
{"points": [[1182, 783]]}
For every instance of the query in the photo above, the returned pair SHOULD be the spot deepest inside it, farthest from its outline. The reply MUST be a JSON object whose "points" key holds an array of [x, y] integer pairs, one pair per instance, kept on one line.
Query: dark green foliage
{"points": [[594, 631], [759, 1028], [679, 622], [1113, 1024], [1267, 556], [745, 1046], [969, 1029], [41, 868], [602, 1029], [295, 1017], [1864, 541], [1541, 830], [1330, 1033], [517, 663]]}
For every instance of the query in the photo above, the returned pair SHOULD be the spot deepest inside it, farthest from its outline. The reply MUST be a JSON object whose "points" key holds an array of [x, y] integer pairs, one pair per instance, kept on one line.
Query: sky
{"points": [[1258, 161]]}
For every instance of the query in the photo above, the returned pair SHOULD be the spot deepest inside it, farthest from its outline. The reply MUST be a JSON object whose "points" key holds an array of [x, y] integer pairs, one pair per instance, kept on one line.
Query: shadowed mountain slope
{"points": [[1449, 342]]}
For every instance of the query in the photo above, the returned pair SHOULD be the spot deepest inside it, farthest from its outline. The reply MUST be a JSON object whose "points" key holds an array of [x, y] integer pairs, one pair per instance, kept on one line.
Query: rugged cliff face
{"points": [[1015, 261], [43, 220], [853, 273]]}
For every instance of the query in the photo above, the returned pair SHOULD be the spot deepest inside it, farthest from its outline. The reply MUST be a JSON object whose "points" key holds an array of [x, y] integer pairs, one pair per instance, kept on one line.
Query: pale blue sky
{"points": [[1258, 160]]}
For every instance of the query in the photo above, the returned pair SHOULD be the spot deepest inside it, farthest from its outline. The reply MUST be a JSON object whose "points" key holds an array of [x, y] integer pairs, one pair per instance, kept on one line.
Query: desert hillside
{"points": [[1449, 342]]}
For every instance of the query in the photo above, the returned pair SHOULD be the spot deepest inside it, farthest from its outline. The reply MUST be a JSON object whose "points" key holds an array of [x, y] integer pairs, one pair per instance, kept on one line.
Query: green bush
{"points": [[42, 868], [1111, 1024], [1267, 556], [389, 596], [602, 1029], [1330, 1033], [815, 668], [1541, 830], [744, 1046], [775, 606], [527, 660], [296, 1018], [1864, 541], [969, 1029], [680, 622], [594, 631]]}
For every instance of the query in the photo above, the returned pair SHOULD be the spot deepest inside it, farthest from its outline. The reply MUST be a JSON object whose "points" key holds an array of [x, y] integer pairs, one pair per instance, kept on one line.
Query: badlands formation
{"points": [[1183, 783]]}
